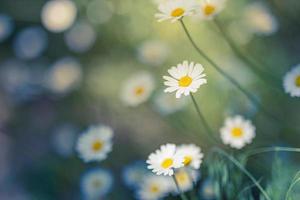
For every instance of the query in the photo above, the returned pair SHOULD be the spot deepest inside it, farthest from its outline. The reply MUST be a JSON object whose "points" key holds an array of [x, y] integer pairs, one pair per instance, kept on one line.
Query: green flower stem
{"points": [[296, 180], [228, 77], [243, 169], [208, 130], [273, 81], [272, 149], [193, 193], [182, 195]]}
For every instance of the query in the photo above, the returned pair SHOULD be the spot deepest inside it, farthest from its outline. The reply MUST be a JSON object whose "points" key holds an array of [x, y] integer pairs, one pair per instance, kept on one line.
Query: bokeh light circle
{"points": [[58, 15], [6, 27], [30, 43], [64, 76], [81, 37], [99, 11]]}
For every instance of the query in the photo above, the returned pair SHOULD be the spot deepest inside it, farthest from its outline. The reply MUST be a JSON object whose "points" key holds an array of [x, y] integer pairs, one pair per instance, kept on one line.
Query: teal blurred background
{"points": [[102, 47]]}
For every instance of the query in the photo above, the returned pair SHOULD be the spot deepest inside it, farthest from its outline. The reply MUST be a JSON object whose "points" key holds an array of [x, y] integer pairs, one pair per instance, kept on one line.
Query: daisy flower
{"points": [[192, 155], [207, 9], [165, 160], [185, 179], [137, 89], [259, 19], [64, 139], [185, 78], [154, 188], [167, 104], [134, 174], [95, 143], [153, 52], [207, 190], [237, 132], [291, 82], [96, 184], [175, 9]]}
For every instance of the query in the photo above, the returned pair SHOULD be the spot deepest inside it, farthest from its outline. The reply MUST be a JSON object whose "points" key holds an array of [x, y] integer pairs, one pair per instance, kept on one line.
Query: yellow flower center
{"points": [[168, 162], [139, 91], [178, 12], [181, 177], [185, 81], [237, 132], [209, 9], [97, 183], [187, 160], [154, 189], [297, 81], [97, 146]]}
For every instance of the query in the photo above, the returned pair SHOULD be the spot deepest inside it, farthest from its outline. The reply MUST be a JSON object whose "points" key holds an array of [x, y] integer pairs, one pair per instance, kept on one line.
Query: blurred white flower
{"points": [[240, 32], [14, 74], [237, 132], [63, 140], [185, 179], [30, 43], [167, 104], [64, 76], [95, 143], [291, 82], [134, 174], [192, 155], [154, 188], [207, 9], [137, 89], [165, 160], [58, 15], [185, 78], [6, 27], [96, 184], [174, 9], [81, 37], [207, 190], [153, 52], [259, 19]]}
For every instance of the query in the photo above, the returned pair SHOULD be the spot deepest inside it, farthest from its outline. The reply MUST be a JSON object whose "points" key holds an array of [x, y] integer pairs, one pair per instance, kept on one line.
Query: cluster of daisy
{"points": [[94, 145], [181, 161], [177, 9]]}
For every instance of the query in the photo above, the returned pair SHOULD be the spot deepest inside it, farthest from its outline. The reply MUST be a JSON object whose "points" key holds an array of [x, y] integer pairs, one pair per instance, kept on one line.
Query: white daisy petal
{"points": [[192, 155], [137, 89], [186, 78], [208, 9], [237, 132], [95, 143], [174, 10], [165, 160]]}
